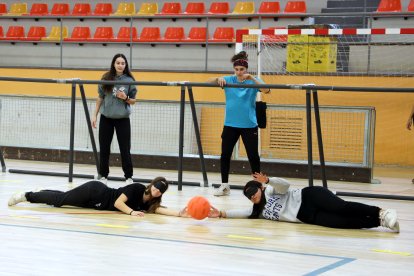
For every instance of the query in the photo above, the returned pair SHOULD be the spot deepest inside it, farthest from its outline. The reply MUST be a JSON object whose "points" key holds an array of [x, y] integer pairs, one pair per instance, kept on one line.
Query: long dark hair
{"points": [[154, 202], [111, 74], [257, 208]]}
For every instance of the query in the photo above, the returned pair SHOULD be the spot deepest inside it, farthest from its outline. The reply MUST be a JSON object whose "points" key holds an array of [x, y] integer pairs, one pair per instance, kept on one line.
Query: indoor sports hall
{"points": [[113, 93]]}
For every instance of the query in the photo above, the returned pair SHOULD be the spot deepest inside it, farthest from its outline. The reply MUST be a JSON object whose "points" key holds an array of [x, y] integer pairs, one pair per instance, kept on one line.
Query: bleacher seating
{"points": [[102, 34], [18, 9], [148, 9], [103, 9], [15, 33], [219, 8], [269, 7], [295, 7], [174, 34], [79, 34], [170, 8], [410, 7], [81, 9], [125, 9], [60, 9], [150, 34], [389, 6], [3, 8], [39, 9], [197, 34], [125, 35], [35, 33], [56, 33], [195, 8], [244, 8], [223, 34]]}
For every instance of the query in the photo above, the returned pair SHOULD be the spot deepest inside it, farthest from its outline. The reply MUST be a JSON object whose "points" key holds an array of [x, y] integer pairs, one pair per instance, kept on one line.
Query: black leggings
{"points": [[229, 139], [321, 207], [107, 126], [88, 195]]}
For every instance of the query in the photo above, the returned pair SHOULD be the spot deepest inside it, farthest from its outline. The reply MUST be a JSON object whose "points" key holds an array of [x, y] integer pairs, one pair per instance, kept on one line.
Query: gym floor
{"points": [[43, 240]]}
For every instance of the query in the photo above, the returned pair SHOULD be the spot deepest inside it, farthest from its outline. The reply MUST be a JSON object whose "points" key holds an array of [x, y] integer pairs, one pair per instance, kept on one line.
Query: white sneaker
{"points": [[129, 181], [103, 180], [17, 198], [388, 218], [223, 190]]}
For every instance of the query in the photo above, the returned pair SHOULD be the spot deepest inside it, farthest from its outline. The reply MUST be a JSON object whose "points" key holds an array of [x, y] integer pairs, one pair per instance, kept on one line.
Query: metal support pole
{"points": [[309, 136], [181, 140], [198, 137], [3, 164], [319, 136], [72, 131], [88, 122]]}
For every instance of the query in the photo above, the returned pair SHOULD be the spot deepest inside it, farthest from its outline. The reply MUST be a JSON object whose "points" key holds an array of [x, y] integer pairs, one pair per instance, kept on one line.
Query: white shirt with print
{"points": [[282, 202]]}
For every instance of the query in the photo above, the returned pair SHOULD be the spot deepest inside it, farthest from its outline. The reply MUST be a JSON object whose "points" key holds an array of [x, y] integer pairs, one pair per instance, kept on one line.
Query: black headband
{"points": [[241, 62], [251, 191], [161, 185]]}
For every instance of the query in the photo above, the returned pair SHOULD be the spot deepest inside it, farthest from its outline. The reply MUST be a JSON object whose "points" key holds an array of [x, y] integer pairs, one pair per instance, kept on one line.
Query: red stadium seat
{"points": [[195, 8], [389, 6], [39, 9], [79, 34], [14, 33], [3, 8], [174, 34], [103, 9], [1, 32], [35, 33], [124, 34], [410, 7], [103, 34], [170, 8], [219, 8], [197, 34], [223, 34], [150, 34], [269, 7], [81, 9], [295, 7], [60, 9]]}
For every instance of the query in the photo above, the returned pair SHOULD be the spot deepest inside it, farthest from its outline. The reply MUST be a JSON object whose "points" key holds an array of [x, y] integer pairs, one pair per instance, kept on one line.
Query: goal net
{"points": [[328, 57]]}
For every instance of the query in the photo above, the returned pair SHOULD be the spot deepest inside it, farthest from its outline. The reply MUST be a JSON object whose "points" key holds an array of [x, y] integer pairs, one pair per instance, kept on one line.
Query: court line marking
{"points": [[342, 260]]}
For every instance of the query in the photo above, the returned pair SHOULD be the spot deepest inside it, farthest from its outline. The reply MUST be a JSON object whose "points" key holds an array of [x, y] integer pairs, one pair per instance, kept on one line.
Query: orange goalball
{"points": [[198, 207]]}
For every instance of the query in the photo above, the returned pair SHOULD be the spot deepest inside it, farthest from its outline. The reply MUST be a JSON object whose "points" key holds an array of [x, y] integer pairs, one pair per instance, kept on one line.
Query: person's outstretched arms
{"points": [[175, 213], [121, 206]]}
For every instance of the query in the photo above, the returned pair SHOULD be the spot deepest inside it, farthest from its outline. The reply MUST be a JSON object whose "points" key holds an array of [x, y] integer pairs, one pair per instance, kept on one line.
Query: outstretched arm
{"points": [[175, 213]]}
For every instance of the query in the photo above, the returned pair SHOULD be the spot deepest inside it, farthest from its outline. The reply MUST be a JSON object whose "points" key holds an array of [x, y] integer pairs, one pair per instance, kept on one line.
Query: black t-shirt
{"points": [[134, 192]]}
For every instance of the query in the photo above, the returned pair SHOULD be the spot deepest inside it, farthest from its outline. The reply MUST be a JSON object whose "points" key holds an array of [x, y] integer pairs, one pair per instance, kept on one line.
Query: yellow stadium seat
{"points": [[55, 33], [148, 9], [18, 9], [244, 8], [125, 8]]}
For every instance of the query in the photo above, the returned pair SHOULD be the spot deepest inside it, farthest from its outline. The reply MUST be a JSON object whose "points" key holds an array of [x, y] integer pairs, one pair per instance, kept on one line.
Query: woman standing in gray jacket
{"points": [[114, 104]]}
